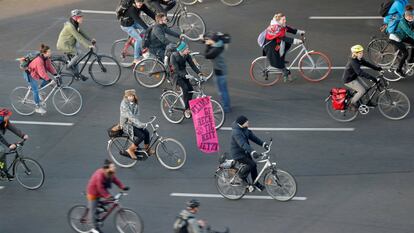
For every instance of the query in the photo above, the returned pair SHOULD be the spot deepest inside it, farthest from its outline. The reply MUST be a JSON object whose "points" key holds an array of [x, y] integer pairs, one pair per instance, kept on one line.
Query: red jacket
{"points": [[278, 33], [39, 66], [98, 184]]}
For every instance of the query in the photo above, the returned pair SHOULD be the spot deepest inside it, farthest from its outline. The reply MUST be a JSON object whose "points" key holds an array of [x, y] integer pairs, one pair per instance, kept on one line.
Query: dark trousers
{"points": [[156, 6], [403, 51], [251, 168], [187, 88], [141, 135]]}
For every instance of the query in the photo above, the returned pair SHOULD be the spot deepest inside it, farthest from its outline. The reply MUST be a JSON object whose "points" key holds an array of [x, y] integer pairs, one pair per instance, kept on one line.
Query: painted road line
{"points": [[345, 17], [298, 129], [106, 12], [2, 187], [42, 123], [256, 197]]}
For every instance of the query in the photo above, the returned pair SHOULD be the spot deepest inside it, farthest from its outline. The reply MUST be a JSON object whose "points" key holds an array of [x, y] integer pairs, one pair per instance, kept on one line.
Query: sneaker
{"points": [[187, 113], [40, 110], [83, 77], [96, 230], [259, 187]]}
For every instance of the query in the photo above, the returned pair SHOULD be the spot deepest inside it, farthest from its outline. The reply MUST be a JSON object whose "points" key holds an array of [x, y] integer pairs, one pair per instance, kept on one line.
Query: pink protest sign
{"points": [[203, 119]]}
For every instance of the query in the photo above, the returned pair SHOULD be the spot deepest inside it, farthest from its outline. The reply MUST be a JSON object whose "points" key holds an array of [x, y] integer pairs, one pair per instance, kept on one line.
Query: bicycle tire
{"points": [[232, 192], [115, 147], [58, 62], [345, 115], [277, 184], [133, 221], [21, 99], [205, 65], [232, 2], [219, 115], [66, 79], [150, 73], [397, 102], [172, 159], [32, 176], [105, 70], [77, 219], [188, 2], [125, 59], [315, 62], [67, 101], [260, 72], [172, 107], [381, 52], [192, 25]]}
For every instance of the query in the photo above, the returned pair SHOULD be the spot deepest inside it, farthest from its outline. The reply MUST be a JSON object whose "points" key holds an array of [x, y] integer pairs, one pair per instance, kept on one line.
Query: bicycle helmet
{"points": [[76, 12], [193, 203], [357, 48]]}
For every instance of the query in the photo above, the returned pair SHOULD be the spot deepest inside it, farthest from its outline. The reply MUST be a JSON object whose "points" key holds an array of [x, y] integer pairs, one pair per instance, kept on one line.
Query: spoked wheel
{"points": [[171, 153], [123, 52], [192, 25], [29, 173], [393, 104], [262, 73], [381, 52], [66, 79], [58, 62], [79, 220], [172, 107], [67, 101], [150, 73], [203, 64], [232, 2], [189, 2], [116, 149], [228, 187], [219, 115], [345, 115], [21, 99], [105, 70], [280, 185], [128, 221], [315, 66]]}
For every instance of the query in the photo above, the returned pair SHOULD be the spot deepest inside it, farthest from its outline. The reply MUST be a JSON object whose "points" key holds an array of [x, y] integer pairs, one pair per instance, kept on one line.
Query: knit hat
{"points": [[181, 46], [241, 120], [130, 92]]}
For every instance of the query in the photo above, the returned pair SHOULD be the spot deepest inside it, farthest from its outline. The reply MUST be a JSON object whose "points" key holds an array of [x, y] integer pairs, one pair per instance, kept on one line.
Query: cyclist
{"points": [[131, 21], [277, 43], [395, 13], [98, 186], [241, 150], [37, 70], [131, 125], [6, 125], [178, 61], [156, 5], [353, 71], [187, 219], [69, 36]]}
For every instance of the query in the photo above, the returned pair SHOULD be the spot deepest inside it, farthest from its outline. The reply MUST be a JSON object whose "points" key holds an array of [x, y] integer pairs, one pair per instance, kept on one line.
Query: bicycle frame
{"points": [[48, 95], [17, 157], [177, 13], [88, 55], [302, 52]]}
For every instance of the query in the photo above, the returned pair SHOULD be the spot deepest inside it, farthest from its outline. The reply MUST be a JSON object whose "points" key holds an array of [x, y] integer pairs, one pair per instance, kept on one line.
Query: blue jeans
{"points": [[221, 81], [35, 88], [132, 31]]}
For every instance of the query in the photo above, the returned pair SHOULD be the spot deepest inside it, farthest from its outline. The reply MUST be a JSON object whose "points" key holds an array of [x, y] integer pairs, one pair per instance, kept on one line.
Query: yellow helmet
{"points": [[357, 48]]}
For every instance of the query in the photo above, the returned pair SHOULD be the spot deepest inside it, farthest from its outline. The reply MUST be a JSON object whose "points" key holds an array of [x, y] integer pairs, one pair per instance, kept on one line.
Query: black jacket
{"points": [[11, 127], [179, 64], [158, 38], [353, 70], [240, 146], [132, 15]]}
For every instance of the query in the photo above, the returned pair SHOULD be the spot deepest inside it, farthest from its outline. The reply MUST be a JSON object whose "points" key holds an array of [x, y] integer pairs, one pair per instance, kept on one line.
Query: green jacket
{"points": [[404, 30], [69, 36]]}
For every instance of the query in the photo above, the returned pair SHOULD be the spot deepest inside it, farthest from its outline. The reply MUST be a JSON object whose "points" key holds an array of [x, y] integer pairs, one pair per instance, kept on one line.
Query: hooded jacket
{"points": [[240, 146], [69, 36], [395, 13]]}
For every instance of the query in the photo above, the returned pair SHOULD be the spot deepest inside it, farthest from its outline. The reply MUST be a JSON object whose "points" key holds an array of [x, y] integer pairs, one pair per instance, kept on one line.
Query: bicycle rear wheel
{"points": [[21, 99], [280, 185], [345, 115], [67, 101], [203, 64], [192, 25], [66, 79], [262, 73], [116, 148], [232, 2], [381, 52], [105, 70], [128, 221], [172, 107], [29, 173], [58, 62], [230, 191], [219, 115], [123, 53], [315, 66], [150, 73], [78, 219], [393, 104], [171, 153]]}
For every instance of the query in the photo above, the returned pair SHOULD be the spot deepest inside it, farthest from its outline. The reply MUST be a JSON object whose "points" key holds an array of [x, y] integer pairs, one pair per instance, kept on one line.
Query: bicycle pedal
{"points": [[250, 188]]}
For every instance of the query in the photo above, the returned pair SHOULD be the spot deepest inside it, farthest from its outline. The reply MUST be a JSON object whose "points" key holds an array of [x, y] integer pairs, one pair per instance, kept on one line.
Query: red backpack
{"points": [[338, 96]]}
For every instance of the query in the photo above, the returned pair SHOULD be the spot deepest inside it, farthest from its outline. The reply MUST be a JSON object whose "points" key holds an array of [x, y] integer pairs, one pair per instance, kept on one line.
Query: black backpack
{"points": [[26, 60], [146, 40], [181, 224], [122, 8], [385, 7]]}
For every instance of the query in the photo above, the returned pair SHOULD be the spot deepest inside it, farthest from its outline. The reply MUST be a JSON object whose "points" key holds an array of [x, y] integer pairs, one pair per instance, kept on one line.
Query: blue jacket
{"points": [[404, 30], [240, 146], [395, 13]]}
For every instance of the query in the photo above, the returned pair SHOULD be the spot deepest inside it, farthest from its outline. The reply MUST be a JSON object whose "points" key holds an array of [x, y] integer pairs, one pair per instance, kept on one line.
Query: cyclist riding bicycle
{"points": [[353, 71], [187, 221], [394, 14], [97, 188], [277, 43], [69, 36], [178, 61], [6, 125], [242, 152], [156, 5]]}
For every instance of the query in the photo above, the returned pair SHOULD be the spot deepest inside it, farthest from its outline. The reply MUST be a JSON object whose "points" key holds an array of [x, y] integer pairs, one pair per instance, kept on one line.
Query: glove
{"points": [[254, 154], [265, 145], [126, 188], [300, 32], [297, 41]]}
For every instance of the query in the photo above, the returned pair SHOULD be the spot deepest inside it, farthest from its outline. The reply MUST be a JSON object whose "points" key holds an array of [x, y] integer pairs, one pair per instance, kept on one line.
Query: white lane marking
{"points": [[345, 17], [320, 68], [103, 63], [2, 187], [106, 12], [42, 123], [219, 196], [298, 129]]}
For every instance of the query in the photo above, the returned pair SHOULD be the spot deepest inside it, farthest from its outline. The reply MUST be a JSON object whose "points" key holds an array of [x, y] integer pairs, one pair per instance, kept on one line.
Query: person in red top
{"points": [[98, 186], [277, 43], [37, 70]]}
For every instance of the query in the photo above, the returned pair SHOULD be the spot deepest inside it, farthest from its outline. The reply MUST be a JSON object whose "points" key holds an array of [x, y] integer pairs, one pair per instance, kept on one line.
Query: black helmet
{"points": [[193, 203]]}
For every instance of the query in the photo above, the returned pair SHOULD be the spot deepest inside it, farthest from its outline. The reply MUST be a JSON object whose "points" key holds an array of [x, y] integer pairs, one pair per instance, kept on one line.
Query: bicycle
{"points": [[170, 152], [279, 184], [28, 172], [173, 107], [126, 220], [226, 2], [123, 51], [392, 104], [313, 66], [66, 100], [104, 70]]}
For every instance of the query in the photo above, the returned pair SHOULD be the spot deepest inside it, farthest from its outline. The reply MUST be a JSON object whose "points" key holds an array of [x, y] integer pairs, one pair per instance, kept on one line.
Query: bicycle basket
{"points": [[115, 131]]}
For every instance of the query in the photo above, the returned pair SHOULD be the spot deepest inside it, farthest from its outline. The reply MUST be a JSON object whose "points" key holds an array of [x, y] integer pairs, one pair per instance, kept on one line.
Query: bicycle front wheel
{"points": [[262, 73], [315, 66], [171, 153], [280, 185], [79, 220], [128, 221], [172, 107], [345, 115], [393, 104], [21, 99], [67, 101], [219, 115], [189, 2], [381, 52], [150, 73], [192, 25], [232, 2], [29, 173], [229, 186], [105, 70], [116, 148], [204, 65], [123, 52]]}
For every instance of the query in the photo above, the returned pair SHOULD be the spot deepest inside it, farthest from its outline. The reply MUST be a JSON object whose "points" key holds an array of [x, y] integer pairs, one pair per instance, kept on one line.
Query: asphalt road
{"points": [[356, 181]]}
